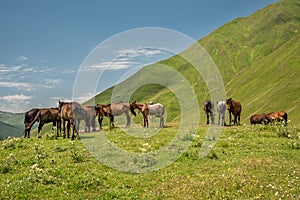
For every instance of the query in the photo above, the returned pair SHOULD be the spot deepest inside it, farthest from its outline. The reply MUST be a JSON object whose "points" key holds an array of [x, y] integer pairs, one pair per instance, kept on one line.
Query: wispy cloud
{"points": [[51, 83], [18, 85], [114, 65], [125, 59], [5, 69], [22, 58], [139, 52], [16, 97]]}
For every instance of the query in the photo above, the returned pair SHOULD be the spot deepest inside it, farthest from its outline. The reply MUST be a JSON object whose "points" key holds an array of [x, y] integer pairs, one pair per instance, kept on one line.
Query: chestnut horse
{"points": [[150, 109], [235, 108], [280, 116]]}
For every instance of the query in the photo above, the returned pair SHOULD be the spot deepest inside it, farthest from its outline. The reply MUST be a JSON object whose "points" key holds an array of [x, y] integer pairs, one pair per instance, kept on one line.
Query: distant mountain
{"points": [[11, 124], [258, 57]]}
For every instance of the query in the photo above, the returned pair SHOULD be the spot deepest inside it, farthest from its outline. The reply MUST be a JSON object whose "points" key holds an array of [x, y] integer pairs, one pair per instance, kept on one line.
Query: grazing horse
{"points": [[28, 118], [221, 108], [208, 107], [104, 111], [91, 118], [150, 109], [260, 119], [280, 116], [235, 108], [46, 115], [72, 112]]}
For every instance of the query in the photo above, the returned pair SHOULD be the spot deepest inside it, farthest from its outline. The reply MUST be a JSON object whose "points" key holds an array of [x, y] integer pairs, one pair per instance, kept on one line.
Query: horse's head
{"points": [[60, 104], [229, 103]]}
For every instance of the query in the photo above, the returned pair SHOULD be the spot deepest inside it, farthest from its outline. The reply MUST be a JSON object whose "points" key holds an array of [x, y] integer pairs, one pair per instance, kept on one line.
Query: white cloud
{"points": [[139, 52], [18, 85], [4, 69], [51, 83], [22, 58], [115, 65], [16, 97]]}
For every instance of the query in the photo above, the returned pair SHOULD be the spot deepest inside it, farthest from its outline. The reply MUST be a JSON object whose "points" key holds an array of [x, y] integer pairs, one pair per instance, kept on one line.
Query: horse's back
{"points": [[156, 108], [221, 106]]}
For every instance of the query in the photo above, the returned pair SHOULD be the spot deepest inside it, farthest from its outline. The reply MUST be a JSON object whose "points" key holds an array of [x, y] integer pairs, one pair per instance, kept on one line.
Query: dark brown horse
{"points": [[104, 111], [235, 108], [46, 115], [208, 107], [72, 112], [280, 116], [28, 118], [149, 109], [260, 119]]}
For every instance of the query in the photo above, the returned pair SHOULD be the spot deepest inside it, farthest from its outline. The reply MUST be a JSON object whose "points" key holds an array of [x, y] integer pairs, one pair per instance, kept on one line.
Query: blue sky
{"points": [[44, 43]]}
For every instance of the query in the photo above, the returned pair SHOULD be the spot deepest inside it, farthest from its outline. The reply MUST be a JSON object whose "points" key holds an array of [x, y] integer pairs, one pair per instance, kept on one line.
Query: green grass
{"points": [[247, 162]]}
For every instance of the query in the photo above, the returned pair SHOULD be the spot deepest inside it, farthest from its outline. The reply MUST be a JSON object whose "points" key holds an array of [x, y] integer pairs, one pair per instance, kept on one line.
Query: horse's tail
{"points": [[34, 120], [163, 110]]}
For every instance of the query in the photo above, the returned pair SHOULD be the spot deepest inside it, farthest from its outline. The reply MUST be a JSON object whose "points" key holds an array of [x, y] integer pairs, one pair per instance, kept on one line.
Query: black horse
{"points": [[208, 107]]}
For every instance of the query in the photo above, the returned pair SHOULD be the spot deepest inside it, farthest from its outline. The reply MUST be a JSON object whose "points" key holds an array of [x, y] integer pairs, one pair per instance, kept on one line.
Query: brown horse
{"points": [[104, 111], [114, 109], [280, 116], [46, 115], [260, 119], [235, 108], [28, 118], [149, 109], [72, 112]]}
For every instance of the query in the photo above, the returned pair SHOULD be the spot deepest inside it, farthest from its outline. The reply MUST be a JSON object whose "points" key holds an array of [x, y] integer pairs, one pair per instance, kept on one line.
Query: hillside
{"points": [[11, 124], [257, 56]]}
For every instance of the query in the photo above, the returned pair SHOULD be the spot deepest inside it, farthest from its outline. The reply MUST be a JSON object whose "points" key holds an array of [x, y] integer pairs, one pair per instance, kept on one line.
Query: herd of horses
{"points": [[69, 114], [235, 108]]}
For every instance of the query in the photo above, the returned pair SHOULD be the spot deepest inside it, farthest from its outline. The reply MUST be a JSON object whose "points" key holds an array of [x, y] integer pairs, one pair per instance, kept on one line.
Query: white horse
{"points": [[158, 110], [148, 110], [221, 110]]}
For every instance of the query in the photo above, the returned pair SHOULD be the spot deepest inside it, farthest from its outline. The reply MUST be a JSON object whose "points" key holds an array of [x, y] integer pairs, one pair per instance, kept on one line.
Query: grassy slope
{"points": [[258, 58], [247, 163], [11, 124]]}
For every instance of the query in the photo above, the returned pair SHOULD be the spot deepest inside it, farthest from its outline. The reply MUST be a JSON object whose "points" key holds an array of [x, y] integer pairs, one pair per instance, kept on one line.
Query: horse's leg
{"points": [[68, 128], [128, 119], [162, 121], [100, 119], [212, 118], [235, 119], [64, 128], [207, 118], [93, 123], [112, 124], [41, 124], [229, 118]]}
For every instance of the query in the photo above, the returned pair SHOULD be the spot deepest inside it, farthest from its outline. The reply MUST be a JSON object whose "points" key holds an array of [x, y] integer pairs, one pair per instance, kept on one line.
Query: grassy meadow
{"points": [[247, 162], [258, 59]]}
